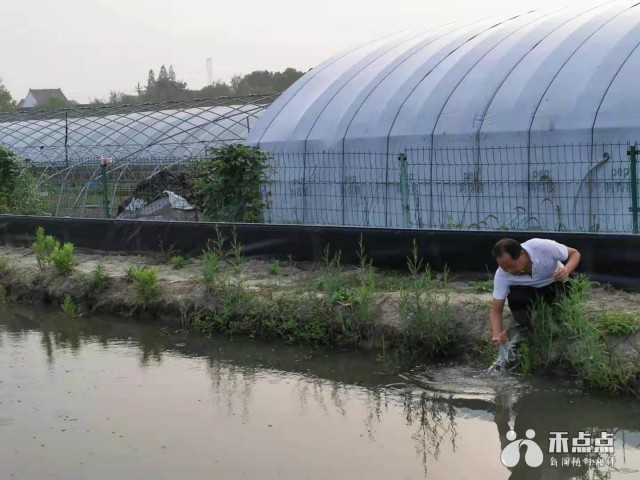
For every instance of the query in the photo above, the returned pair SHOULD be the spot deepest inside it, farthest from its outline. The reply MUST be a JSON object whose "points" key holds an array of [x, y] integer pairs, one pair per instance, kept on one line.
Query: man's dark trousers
{"points": [[522, 299]]}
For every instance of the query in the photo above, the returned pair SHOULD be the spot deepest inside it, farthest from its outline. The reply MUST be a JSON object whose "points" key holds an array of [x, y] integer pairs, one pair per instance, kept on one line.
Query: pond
{"points": [[102, 398]]}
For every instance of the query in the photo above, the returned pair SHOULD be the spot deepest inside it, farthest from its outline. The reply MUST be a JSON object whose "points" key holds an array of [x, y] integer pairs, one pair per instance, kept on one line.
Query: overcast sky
{"points": [[89, 47]]}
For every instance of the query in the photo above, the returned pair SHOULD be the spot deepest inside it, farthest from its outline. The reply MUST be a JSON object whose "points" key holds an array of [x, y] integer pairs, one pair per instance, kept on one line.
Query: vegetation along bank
{"points": [[407, 317]]}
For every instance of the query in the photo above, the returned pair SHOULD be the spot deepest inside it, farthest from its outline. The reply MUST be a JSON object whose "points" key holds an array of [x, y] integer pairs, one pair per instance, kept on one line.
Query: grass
{"points": [[618, 323], [485, 286], [178, 262], [338, 309], [563, 335], [425, 313], [275, 268], [162, 255]]}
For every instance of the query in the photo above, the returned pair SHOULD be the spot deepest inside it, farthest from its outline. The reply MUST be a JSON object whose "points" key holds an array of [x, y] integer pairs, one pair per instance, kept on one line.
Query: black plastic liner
{"points": [[611, 258]]}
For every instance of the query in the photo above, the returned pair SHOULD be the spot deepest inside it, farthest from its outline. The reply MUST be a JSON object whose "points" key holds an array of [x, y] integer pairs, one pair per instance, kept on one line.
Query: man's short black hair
{"points": [[508, 245]]}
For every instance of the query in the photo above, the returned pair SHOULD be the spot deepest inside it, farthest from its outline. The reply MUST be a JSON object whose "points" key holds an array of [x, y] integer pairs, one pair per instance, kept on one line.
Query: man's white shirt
{"points": [[546, 256]]}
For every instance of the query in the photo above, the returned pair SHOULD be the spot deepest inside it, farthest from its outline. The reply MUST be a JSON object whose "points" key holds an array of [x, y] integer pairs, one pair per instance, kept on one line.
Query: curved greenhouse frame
{"points": [[130, 133], [520, 122]]}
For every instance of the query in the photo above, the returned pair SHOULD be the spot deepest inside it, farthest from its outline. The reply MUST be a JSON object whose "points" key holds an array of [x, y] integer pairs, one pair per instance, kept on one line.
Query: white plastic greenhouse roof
{"points": [[138, 136], [567, 75]]}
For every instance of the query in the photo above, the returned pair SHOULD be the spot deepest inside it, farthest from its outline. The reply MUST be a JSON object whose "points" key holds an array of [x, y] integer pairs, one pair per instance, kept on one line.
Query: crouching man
{"points": [[534, 269]]}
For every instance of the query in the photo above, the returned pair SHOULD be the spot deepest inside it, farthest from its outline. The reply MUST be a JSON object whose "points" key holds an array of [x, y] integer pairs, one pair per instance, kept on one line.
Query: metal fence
{"points": [[579, 188], [573, 188]]}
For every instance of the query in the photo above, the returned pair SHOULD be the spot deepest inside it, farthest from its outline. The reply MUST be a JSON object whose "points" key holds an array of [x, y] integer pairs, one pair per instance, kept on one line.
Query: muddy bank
{"points": [[183, 298]]}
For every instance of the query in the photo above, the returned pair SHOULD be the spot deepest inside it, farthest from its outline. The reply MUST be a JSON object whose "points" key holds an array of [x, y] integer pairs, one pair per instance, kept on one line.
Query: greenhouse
{"points": [[129, 133], [64, 147], [503, 123]]}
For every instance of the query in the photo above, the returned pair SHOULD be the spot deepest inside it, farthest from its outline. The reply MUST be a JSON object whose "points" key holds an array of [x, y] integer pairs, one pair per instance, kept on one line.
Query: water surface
{"points": [[100, 398]]}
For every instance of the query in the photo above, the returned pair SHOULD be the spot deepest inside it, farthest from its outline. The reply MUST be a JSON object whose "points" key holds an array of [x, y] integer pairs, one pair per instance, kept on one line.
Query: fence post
{"points": [[104, 161], [304, 187], [66, 139], [633, 158], [404, 189]]}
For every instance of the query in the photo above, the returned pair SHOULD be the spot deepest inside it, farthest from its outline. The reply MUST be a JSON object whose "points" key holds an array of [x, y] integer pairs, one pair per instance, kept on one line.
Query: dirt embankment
{"points": [[182, 291]]}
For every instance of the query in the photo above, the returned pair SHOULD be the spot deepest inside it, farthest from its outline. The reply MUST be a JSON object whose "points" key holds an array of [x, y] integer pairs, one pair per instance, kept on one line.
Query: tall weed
{"points": [[43, 247]]}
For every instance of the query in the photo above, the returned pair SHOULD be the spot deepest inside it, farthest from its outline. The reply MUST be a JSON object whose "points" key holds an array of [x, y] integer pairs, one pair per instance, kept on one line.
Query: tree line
{"points": [[166, 87]]}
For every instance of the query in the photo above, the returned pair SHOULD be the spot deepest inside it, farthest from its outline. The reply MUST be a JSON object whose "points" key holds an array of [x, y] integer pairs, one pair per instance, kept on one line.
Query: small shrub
{"points": [[69, 308], [234, 299], [275, 268], [99, 280], [4, 264], [146, 283], [43, 247], [163, 255], [62, 258], [210, 268], [3, 294], [228, 186], [128, 273], [179, 262], [237, 250]]}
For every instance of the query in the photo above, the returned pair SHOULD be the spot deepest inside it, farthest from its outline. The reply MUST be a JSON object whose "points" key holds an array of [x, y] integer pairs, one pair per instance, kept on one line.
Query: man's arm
{"points": [[499, 336], [573, 259]]}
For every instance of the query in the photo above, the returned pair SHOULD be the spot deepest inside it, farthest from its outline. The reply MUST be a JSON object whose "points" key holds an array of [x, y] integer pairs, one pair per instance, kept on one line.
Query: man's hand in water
{"points": [[501, 339]]}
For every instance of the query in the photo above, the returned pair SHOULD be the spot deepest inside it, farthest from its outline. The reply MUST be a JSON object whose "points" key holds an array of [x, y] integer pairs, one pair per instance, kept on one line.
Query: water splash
{"points": [[506, 354]]}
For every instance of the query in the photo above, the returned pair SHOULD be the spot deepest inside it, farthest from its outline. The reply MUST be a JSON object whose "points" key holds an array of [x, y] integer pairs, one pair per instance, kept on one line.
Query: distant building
{"points": [[50, 97]]}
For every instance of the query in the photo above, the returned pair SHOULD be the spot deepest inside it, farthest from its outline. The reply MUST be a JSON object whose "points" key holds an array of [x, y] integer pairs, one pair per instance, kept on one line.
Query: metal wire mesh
{"points": [[578, 188], [573, 188]]}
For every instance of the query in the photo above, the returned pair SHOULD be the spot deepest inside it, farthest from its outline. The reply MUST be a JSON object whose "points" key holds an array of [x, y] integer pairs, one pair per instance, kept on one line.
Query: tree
{"points": [[284, 80], [218, 89], [167, 88], [19, 191], [265, 82], [163, 75], [151, 80], [7, 103], [53, 104], [235, 82], [120, 98]]}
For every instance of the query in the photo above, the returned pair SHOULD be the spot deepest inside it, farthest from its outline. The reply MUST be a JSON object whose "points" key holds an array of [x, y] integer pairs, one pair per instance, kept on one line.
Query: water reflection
{"points": [[546, 412], [333, 382], [434, 419]]}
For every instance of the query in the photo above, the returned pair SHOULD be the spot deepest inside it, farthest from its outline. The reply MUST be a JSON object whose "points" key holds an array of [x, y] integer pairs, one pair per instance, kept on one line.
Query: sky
{"points": [[90, 47]]}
